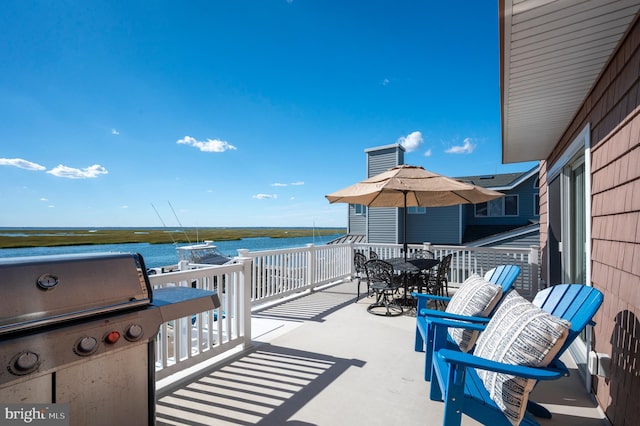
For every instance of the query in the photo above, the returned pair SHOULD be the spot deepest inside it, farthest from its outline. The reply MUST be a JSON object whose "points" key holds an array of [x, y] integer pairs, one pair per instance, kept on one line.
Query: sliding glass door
{"points": [[569, 222], [567, 257]]}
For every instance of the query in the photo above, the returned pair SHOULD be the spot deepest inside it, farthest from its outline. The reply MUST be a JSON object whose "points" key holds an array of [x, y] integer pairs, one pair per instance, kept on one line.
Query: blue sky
{"points": [[238, 113]]}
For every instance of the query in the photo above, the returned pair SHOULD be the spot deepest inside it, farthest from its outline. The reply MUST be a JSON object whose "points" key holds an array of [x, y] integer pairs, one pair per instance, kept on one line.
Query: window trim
{"points": [[359, 210], [503, 199]]}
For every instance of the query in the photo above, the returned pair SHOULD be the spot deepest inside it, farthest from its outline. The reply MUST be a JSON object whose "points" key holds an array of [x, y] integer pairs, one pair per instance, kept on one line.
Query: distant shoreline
{"points": [[51, 237]]}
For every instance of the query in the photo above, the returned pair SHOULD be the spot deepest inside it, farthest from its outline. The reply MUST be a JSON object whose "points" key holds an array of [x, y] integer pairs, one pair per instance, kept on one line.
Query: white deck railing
{"points": [[257, 278]]}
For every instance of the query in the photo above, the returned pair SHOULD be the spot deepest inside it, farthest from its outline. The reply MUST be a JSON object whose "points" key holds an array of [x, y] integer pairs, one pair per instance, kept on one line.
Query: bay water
{"points": [[157, 255]]}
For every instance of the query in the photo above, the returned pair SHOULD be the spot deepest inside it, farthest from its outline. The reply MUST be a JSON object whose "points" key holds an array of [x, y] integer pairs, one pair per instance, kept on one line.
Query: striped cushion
{"points": [[475, 297], [519, 333]]}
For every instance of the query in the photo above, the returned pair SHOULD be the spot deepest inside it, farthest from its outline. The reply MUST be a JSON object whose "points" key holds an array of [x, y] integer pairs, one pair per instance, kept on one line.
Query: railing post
{"points": [[352, 253], [534, 268], [311, 264], [244, 287]]}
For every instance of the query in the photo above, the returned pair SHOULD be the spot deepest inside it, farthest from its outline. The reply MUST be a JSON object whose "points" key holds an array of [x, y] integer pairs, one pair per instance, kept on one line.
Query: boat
{"points": [[202, 254]]}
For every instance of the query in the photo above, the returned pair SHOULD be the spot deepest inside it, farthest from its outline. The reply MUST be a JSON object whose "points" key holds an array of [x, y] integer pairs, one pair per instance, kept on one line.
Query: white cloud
{"points": [[427, 153], [210, 145], [20, 163], [51, 206], [265, 196], [385, 81], [115, 132], [71, 173], [411, 142], [466, 148], [44, 199], [297, 183], [124, 207]]}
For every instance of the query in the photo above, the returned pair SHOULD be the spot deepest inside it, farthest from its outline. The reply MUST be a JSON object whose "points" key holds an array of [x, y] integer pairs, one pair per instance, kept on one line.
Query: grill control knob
{"points": [[24, 363], [134, 332], [86, 346], [112, 337]]}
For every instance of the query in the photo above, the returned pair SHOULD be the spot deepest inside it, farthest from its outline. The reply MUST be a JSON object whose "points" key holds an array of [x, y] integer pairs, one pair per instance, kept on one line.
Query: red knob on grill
{"points": [[112, 337]]}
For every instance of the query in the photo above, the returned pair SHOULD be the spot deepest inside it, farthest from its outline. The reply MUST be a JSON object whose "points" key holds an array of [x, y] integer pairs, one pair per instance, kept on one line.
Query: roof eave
{"points": [[543, 45]]}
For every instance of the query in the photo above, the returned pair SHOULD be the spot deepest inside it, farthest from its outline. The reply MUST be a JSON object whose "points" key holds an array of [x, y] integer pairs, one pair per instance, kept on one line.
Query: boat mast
{"points": [[176, 216], [163, 224]]}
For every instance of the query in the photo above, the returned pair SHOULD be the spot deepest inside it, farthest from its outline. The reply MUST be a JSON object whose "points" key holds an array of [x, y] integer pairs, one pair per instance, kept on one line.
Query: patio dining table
{"points": [[407, 267]]}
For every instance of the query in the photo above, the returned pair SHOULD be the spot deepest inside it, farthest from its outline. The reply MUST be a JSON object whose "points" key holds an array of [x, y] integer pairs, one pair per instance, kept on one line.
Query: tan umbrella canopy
{"points": [[409, 186]]}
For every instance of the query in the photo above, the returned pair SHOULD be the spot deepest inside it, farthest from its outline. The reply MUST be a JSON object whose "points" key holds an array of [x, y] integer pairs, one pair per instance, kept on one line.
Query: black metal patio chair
{"points": [[359, 260], [385, 284], [439, 282]]}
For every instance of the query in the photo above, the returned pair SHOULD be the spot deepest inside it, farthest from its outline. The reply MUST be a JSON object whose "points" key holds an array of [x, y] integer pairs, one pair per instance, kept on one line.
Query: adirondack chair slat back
{"points": [[574, 302], [503, 274]]}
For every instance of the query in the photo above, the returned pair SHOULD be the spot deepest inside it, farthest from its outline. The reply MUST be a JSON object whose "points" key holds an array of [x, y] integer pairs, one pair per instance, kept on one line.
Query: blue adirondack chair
{"points": [[504, 275], [454, 376]]}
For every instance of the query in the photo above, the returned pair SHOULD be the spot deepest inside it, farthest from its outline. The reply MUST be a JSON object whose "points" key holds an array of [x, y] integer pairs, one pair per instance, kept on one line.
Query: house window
{"points": [[360, 210], [416, 210], [504, 206]]}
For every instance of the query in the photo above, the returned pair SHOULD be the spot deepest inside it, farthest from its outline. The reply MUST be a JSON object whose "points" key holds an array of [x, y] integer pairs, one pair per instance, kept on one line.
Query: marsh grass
{"points": [[17, 238]]}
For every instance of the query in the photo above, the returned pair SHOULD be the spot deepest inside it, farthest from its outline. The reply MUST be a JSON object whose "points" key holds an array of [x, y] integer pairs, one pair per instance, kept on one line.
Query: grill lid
{"points": [[44, 290]]}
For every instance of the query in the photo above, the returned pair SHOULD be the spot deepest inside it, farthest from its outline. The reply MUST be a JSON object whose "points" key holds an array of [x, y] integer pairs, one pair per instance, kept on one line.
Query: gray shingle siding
{"points": [[439, 225], [382, 225], [383, 158], [357, 223]]}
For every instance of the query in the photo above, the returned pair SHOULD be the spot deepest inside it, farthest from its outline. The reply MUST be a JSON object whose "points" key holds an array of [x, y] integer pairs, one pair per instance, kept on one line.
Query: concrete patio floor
{"points": [[324, 360]]}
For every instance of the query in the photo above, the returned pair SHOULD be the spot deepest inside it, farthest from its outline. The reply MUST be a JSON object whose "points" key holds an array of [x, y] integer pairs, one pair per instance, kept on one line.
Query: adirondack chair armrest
{"points": [[429, 296], [432, 313], [423, 299], [560, 366], [449, 323], [465, 359]]}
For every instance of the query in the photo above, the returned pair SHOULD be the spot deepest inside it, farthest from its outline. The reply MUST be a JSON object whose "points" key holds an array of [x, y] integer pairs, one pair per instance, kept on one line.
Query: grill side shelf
{"points": [[178, 302]]}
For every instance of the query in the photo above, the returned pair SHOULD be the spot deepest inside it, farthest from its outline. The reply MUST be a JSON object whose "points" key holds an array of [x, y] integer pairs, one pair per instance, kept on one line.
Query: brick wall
{"points": [[612, 109]]}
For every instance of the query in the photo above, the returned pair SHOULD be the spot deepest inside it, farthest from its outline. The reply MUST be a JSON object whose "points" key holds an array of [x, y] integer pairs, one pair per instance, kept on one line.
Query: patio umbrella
{"points": [[408, 186]]}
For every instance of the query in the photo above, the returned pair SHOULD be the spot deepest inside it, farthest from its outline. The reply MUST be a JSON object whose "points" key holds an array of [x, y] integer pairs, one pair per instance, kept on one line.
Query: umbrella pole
{"points": [[404, 224]]}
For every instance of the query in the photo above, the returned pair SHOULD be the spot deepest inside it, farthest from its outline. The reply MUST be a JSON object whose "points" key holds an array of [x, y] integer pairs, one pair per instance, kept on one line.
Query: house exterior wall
{"points": [[381, 223], [357, 222], [438, 225], [612, 110], [382, 158]]}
